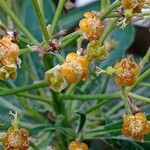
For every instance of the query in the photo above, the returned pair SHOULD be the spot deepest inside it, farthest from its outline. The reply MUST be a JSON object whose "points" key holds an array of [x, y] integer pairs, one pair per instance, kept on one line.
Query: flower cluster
{"points": [[135, 126], [15, 138], [91, 25], [95, 51], [126, 72], [77, 145], [9, 53], [75, 68]]}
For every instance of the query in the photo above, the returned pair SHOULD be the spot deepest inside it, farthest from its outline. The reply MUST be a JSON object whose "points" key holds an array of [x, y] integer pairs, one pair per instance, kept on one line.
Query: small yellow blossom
{"points": [[55, 79], [95, 51], [77, 145], [134, 5], [135, 126], [91, 26], [9, 51], [8, 71], [126, 72], [75, 68]]}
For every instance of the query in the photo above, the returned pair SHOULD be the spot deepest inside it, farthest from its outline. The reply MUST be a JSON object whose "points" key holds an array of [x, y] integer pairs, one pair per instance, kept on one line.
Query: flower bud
{"points": [[91, 26], [77, 145], [135, 126], [134, 5], [95, 51], [126, 72], [75, 68], [15, 138], [55, 79], [8, 71], [8, 51]]}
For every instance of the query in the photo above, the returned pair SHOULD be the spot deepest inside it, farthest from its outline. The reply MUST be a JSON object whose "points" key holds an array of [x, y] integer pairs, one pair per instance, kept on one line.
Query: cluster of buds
{"points": [[91, 25], [135, 126], [126, 72], [75, 68], [134, 5], [77, 145], [130, 7], [95, 51], [9, 53], [15, 138]]}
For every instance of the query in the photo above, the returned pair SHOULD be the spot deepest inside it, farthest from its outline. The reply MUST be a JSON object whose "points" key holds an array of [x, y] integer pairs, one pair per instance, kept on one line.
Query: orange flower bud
{"points": [[75, 68], [135, 126], [96, 51], [91, 25], [77, 145], [8, 51], [55, 79], [17, 140], [134, 5], [126, 72]]}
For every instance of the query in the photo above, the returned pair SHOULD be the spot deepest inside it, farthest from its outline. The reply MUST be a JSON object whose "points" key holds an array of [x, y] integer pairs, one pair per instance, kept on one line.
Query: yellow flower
{"points": [[134, 5], [126, 72], [9, 51], [135, 126], [15, 138], [77, 145], [95, 51], [75, 68], [91, 26], [55, 79], [8, 71]]}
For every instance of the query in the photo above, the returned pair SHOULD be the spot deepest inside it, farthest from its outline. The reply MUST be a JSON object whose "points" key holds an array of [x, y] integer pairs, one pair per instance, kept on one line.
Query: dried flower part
{"points": [[126, 72], [8, 51], [8, 71], [54, 46], [75, 68], [135, 126], [95, 51], [91, 25], [69, 5], [77, 145], [55, 79], [134, 5], [16, 139]]}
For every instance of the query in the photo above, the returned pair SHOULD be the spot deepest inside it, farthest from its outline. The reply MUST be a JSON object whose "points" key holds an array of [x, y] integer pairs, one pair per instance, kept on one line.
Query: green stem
{"points": [[18, 23], [57, 16], [97, 106], [104, 4], [124, 98], [110, 8], [90, 97], [41, 19], [67, 37], [68, 42], [104, 87], [139, 97], [140, 79], [23, 88], [146, 58], [36, 98], [145, 84], [114, 109], [32, 96], [108, 29]]}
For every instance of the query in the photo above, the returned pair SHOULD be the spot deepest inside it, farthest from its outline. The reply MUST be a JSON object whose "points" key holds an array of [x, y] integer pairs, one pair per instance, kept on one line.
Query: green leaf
{"points": [[82, 120]]}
